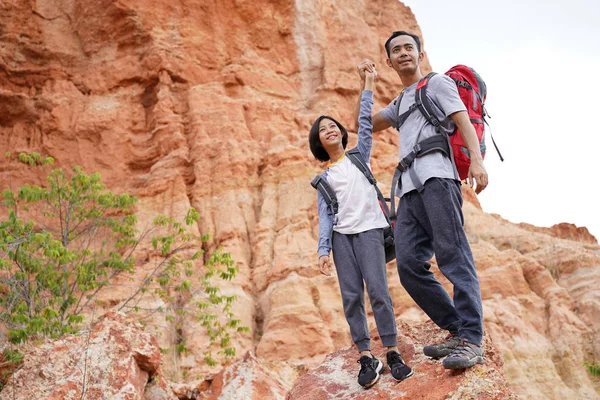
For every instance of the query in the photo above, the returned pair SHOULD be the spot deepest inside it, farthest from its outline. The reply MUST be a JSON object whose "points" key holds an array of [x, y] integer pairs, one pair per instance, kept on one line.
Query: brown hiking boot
{"points": [[442, 349]]}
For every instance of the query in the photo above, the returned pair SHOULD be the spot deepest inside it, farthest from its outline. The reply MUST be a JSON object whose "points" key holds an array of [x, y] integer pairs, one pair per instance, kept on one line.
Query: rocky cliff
{"points": [[208, 104]]}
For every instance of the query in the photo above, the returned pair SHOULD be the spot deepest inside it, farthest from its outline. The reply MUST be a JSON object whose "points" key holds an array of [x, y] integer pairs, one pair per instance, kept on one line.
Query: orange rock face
{"points": [[209, 105]]}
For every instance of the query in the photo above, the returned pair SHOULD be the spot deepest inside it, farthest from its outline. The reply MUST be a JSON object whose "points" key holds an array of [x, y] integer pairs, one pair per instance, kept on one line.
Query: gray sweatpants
{"points": [[360, 258]]}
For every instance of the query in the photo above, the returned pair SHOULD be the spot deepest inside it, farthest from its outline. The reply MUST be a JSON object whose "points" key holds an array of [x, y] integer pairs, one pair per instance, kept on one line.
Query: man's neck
{"points": [[408, 80]]}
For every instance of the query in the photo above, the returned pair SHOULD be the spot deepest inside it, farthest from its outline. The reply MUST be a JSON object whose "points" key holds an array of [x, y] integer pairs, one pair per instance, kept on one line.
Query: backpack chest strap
{"points": [[424, 147]]}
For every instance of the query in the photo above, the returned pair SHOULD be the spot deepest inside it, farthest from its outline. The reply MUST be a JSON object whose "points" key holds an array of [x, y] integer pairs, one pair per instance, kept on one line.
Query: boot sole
{"points": [[438, 355], [374, 381], [462, 364]]}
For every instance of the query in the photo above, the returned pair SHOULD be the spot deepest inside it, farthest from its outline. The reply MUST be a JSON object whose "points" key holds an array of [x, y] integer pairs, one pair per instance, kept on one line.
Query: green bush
{"points": [[79, 238]]}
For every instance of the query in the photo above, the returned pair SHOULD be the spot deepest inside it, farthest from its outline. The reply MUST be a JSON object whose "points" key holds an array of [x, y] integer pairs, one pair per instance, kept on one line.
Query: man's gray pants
{"points": [[360, 259], [432, 222]]}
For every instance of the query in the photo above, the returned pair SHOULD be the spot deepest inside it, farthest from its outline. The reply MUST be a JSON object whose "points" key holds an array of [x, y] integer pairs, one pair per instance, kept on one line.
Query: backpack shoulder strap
{"points": [[397, 109], [400, 119], [323, 187], [356, 159], [424, 103]]}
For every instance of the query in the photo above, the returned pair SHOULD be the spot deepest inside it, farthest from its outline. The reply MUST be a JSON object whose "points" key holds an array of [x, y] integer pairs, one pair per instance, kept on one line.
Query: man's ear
{"points": [[421, 56], [388, 62]]}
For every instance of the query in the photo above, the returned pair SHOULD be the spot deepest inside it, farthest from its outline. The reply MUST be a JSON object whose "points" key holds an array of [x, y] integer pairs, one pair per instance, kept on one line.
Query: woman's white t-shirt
{"points": [[358, 206]]}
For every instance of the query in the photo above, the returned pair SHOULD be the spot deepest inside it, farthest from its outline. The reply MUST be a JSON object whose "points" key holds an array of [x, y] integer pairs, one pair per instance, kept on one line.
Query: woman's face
{"points": [[329, 133]]}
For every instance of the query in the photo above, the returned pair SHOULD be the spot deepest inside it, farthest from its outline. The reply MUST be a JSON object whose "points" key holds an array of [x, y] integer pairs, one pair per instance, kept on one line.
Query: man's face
{"points": [[404, 56]]}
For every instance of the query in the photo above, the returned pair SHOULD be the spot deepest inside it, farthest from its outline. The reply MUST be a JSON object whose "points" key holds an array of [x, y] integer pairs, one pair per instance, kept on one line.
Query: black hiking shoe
{"points": [[400, 371], [442, 349], [370, 367], [464, 356]]}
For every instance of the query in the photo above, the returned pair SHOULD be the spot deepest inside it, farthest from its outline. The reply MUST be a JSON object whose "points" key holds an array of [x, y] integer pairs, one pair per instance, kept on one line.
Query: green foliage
{"points": [[208, 306], [81, 238], [10, 360], [593, 369], [53, 265]]}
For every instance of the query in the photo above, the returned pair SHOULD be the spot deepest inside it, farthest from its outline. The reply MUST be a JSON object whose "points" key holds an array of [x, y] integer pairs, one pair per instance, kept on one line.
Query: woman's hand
{"points": [[325, 265], [370, 76], [364, 66]]}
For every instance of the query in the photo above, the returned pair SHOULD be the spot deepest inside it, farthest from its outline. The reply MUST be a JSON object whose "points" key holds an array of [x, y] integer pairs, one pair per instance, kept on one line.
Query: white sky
{"points": [[540, 61]]}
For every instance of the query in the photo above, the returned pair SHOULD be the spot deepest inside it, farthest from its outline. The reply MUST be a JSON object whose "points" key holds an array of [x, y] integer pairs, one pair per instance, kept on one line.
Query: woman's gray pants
{"points": [[360, 258]]}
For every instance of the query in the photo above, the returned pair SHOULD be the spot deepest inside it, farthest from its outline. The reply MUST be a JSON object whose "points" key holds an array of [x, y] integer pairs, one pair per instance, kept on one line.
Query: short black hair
{"points": [[315, 141], [402, 33]]}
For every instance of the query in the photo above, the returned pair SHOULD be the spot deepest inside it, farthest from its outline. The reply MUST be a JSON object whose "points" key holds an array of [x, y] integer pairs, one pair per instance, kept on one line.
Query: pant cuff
{"points": [[472, 338], [389, 340], [363, 345]]}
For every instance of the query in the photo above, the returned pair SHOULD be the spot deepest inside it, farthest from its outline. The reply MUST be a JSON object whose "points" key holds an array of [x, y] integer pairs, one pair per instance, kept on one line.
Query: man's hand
{"points": [[325, 265], [366, 65], [478, 174]]}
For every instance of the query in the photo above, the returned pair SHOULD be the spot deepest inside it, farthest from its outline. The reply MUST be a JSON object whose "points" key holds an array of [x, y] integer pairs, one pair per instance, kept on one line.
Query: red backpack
{"points": [[472, 91]]}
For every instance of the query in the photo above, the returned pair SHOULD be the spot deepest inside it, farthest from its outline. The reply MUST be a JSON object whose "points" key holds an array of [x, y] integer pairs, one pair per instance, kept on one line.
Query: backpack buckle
{"points": [[315, 182], [417, 148], [402, 165]]}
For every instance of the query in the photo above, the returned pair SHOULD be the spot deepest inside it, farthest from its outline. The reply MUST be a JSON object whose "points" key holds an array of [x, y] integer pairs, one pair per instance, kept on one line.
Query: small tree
{"points": [[83, 238]]}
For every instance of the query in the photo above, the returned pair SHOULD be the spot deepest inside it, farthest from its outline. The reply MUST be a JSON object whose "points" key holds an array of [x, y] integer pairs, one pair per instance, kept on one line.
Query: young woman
{"points": [[356, 235]]}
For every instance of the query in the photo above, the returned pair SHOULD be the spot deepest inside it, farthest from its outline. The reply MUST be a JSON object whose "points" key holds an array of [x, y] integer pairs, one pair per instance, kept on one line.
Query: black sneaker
{"points": [[370, 367], [442, 349], [464, 356], [400, 371]]}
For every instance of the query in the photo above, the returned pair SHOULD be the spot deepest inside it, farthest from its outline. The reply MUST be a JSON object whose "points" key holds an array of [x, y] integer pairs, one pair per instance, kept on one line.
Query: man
{"points": [[430, 218]]}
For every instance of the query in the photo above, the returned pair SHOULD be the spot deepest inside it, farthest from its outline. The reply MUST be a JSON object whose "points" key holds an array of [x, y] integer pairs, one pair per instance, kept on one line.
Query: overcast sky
{"points": [[541, 62]]}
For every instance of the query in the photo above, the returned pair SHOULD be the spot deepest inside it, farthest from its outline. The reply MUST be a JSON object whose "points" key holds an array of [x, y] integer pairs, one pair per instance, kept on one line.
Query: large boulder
{"points": [[116, 359], [337, 376]]}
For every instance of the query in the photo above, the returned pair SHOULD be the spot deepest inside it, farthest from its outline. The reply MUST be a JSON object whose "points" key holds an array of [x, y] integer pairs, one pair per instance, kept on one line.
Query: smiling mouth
{"points": [[329, 137]]}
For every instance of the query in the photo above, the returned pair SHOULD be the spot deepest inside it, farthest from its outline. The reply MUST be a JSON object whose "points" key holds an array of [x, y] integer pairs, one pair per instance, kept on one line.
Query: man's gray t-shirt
{"points": [[444, 95]]}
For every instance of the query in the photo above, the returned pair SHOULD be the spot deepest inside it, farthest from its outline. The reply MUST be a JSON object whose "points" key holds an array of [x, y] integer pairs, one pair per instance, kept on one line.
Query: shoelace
{"points": [[448, 339], [463, 349], [365, 363], [395, 358]]}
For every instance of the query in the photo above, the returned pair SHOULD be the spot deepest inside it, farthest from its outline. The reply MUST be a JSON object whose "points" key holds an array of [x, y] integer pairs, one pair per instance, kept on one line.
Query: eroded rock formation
{"points": [[116, 359], [208, 104]]}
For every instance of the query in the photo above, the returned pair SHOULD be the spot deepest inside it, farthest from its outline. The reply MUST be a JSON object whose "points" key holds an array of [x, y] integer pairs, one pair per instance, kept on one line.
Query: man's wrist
{"points": [[477, 159]]}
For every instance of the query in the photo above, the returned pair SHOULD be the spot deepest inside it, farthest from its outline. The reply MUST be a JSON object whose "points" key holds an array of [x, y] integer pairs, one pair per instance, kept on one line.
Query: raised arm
{"points": [[365, 125], [361, 68], [378, 121]]}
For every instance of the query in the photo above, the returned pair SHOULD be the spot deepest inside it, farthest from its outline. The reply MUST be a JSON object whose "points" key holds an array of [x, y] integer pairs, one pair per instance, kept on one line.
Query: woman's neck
{"points": [[335, 155]]}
